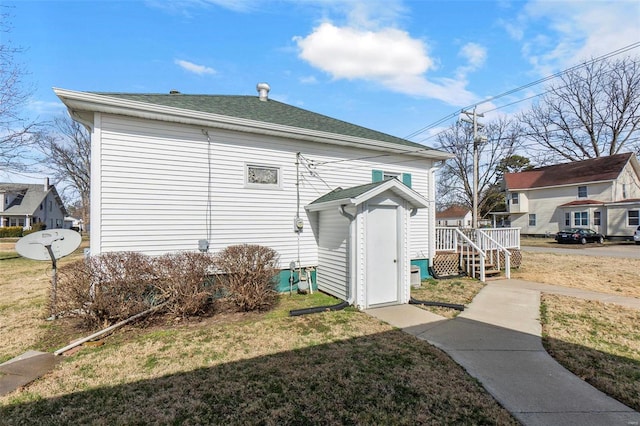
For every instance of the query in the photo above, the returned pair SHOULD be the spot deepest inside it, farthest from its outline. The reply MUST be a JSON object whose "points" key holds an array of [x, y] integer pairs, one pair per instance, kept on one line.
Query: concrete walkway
{"points": [[24, 369], [497, 340]]}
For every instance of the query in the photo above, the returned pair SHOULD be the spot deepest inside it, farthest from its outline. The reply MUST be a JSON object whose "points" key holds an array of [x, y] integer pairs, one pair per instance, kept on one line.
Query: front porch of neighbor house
{"points": [[479, 253]]}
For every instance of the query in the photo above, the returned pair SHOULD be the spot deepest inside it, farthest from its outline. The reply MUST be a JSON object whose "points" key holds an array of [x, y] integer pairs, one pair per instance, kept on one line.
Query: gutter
{"points": [[82, 101]]}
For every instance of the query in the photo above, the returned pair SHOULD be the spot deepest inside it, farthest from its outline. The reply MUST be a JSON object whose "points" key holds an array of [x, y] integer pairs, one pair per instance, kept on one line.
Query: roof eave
{"points": [[559, 186], [77, 102], [415, 199]]}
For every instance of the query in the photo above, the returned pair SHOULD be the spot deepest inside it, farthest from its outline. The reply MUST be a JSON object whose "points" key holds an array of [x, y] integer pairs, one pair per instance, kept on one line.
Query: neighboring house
{"points": [[602, 194], [75, 223], [458, 216], [175, 172], [27, 204]]}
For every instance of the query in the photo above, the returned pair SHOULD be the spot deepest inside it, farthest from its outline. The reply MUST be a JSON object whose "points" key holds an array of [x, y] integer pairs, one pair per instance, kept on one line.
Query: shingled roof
{"points": [[270, 111], [453, 212], [593, 170], [29, 198]]}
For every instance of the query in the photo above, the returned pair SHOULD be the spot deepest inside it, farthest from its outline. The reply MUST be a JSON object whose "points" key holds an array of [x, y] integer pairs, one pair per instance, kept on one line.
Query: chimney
{"points": [[263, 91], [46, 184]]}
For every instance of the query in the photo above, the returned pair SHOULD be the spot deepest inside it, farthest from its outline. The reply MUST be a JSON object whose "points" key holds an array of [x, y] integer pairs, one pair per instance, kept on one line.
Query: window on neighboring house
{"points": [[581, 218], [40, 206], [582, 192], [624, 191], [596, 218], [514, 198], [567, 219], [633, 217], [262, 176], [50, 205], [532, 220]]}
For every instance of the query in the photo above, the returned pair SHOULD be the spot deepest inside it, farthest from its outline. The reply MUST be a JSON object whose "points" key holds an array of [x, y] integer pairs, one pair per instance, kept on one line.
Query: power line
{"points": [[526, 86], [457, 112]]}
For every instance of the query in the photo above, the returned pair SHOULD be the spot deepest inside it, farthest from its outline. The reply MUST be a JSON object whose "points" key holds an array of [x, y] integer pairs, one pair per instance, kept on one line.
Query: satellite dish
{"points": [[63, 242], [49, 245]]}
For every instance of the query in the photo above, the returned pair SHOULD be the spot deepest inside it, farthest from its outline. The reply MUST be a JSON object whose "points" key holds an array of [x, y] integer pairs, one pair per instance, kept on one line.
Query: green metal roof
{"points": [[270, 111], [342, 194]]}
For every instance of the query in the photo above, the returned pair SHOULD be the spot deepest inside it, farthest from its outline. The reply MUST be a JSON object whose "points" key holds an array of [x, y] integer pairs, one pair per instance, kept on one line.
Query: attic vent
{"points": [[263, 91], [174, 92]]}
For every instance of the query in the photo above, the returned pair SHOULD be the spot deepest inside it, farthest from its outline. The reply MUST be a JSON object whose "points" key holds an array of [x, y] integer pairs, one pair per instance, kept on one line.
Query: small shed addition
{"points": [[363, 242]]}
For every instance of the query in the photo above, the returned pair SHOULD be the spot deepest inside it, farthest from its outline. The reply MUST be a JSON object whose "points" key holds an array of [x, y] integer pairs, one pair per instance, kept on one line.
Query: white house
{"points": [[177, 172], [601, 193], [459, 216], [25, 205]]}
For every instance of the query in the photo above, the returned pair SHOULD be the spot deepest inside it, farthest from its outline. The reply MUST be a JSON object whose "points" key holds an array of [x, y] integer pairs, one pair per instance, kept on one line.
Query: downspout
{"points": [[350, 282], [432, 211]]}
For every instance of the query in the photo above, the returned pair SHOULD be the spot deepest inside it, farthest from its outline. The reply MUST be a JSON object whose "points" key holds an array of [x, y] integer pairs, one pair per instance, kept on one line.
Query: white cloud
{"points": [[475, 54], [308, 80], [561, 34], [350, 53], [194, 68], [45, 108], [388, 56], [184, 7]]}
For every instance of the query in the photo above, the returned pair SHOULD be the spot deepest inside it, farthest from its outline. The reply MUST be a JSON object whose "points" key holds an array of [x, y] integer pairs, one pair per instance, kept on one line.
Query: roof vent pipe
{"points": [[263, 91]]}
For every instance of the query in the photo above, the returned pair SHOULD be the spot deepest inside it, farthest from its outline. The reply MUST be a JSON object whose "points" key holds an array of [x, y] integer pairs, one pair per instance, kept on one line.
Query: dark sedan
{"points": [[579, 235]]}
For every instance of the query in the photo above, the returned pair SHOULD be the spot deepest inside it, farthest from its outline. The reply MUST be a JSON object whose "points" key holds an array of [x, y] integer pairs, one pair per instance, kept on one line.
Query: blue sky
{"points": [[394, 66]]}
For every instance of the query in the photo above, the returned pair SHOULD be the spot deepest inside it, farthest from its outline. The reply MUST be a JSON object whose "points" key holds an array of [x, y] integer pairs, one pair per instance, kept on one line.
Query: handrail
{"points": [[487, 243], [499, 247], [477, 250]]}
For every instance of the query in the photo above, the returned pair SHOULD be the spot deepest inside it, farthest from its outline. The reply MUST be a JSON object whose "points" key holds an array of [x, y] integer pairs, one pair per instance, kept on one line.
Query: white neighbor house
{"points": [[25, 205], [459, 216], [175, 172], [602, 194]]}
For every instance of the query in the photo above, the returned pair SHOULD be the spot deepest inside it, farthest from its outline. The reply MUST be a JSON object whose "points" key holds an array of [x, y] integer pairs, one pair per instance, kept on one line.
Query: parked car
{"points": [[579, 235], [636, 236]]}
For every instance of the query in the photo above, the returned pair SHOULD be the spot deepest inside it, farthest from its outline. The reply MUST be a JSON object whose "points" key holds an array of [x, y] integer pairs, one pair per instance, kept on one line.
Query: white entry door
{"points": [[382, 255]]}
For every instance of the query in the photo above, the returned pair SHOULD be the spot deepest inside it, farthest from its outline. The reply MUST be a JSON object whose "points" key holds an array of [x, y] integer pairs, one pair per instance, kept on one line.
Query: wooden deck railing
{"points": [[486, 244]]}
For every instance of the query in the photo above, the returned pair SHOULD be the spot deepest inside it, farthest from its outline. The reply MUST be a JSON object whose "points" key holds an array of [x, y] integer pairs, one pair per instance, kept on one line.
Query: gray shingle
{"points": [[271, 111], [341, 194], [32, 196]]}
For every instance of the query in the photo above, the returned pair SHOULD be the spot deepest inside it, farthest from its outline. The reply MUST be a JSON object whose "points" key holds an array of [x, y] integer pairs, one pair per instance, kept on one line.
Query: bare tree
{"points": [[16, 133], [67, 151], [456, 177], [593, 111]]}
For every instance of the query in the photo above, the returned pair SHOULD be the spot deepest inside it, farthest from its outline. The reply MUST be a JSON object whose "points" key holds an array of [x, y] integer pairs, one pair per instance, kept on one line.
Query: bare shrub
{"points": [[73, 288], [108, 288], [182, 281], [247, 275]]}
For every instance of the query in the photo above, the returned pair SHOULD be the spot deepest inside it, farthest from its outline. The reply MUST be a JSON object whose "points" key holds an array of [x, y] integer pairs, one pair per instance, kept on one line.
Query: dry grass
{"points": [[24, 286], [234, 368], [456, 290], [598, 342], [602, 274]]}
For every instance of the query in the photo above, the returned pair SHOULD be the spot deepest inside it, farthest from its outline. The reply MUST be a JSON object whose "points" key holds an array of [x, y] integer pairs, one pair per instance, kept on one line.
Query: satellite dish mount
{"points": [[49, 245]]}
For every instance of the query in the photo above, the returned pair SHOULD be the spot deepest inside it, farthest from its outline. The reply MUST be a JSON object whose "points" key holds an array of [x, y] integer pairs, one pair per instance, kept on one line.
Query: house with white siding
{"points": [[174, 172], [455, 215], [25, 205], [601, 193]]}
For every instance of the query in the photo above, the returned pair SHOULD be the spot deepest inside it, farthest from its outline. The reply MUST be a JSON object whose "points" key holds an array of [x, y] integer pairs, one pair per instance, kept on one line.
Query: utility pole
{"points": [[472, 117]]}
